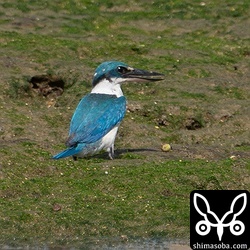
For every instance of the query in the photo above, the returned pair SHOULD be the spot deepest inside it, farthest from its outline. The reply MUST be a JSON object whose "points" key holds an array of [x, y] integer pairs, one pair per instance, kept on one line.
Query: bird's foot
{"points": [[111, 156], [111, 152]]}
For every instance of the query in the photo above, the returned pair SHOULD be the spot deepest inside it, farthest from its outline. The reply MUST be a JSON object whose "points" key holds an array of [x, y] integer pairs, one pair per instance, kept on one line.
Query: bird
{"points": [[97, 117]]}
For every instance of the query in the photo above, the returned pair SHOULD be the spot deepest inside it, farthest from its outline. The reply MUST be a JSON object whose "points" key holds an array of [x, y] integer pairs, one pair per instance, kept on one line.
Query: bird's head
{"points": [[118, 72]]}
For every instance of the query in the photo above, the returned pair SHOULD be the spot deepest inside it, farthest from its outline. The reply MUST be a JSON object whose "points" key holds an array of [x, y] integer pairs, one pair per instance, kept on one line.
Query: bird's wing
{"points": [[95, 116]]}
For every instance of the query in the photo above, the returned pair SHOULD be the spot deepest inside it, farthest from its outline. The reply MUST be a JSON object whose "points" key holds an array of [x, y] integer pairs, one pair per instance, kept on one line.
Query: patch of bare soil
{"points": [[47, 85]]}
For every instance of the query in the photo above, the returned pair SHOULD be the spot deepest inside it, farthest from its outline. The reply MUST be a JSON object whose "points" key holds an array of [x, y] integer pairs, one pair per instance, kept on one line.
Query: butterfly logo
{"points": [[203, 227]]}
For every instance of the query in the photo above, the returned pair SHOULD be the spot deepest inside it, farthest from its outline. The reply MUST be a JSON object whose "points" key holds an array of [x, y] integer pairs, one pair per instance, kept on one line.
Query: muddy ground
{"points": [[48, 54], [224, 110]]}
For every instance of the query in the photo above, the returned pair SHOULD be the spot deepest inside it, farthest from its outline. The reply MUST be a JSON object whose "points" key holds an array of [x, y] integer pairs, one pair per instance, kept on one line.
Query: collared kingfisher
{"points": [[95, 123]]}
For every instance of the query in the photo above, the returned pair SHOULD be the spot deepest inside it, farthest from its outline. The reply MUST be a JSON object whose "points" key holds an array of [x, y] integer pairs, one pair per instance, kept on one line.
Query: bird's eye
{"points": [[122, 70]]}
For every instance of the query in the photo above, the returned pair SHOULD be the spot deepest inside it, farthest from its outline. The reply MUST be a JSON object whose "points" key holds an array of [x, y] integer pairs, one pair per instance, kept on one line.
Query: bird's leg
{"points": [[111, 152], [74, 158]]}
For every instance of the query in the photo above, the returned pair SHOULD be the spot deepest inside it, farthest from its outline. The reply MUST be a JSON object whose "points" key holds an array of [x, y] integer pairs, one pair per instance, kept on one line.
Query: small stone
{"points": [[166, 147], [124, 237], [56, 207]]}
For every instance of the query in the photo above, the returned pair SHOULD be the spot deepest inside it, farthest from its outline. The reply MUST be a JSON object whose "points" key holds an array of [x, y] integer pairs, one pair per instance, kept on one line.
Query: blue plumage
{"points": [[97, 117], [70, 151], [94, 117]]}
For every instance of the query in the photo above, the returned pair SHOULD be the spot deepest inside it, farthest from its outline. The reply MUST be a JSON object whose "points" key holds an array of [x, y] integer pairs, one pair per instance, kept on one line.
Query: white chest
{"points": [[108, 87]]}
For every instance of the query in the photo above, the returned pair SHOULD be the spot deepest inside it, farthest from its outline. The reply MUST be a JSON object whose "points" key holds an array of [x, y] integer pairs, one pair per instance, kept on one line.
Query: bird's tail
{"points": [[69, 152]]}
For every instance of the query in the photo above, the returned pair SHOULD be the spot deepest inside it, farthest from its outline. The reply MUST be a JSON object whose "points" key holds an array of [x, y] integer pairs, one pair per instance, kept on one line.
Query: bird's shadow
{"points": [[119, 152]]}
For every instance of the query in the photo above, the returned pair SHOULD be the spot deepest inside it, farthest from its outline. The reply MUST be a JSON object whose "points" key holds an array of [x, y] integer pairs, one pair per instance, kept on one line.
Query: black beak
{"points": [[142, 75]]}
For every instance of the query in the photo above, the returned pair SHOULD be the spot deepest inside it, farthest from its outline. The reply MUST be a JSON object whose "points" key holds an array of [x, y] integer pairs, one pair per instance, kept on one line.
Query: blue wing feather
{"points": [[69, 151], [95, 116]]}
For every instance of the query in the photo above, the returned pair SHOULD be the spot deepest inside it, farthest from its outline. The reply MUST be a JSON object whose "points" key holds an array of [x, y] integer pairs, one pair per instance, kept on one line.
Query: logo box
{"points": [[219, 219]]}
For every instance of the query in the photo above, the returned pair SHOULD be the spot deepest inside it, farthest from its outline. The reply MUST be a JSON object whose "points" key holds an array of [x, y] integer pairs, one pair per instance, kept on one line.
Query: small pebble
{"points": [[57, 207], [166, 147]]}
